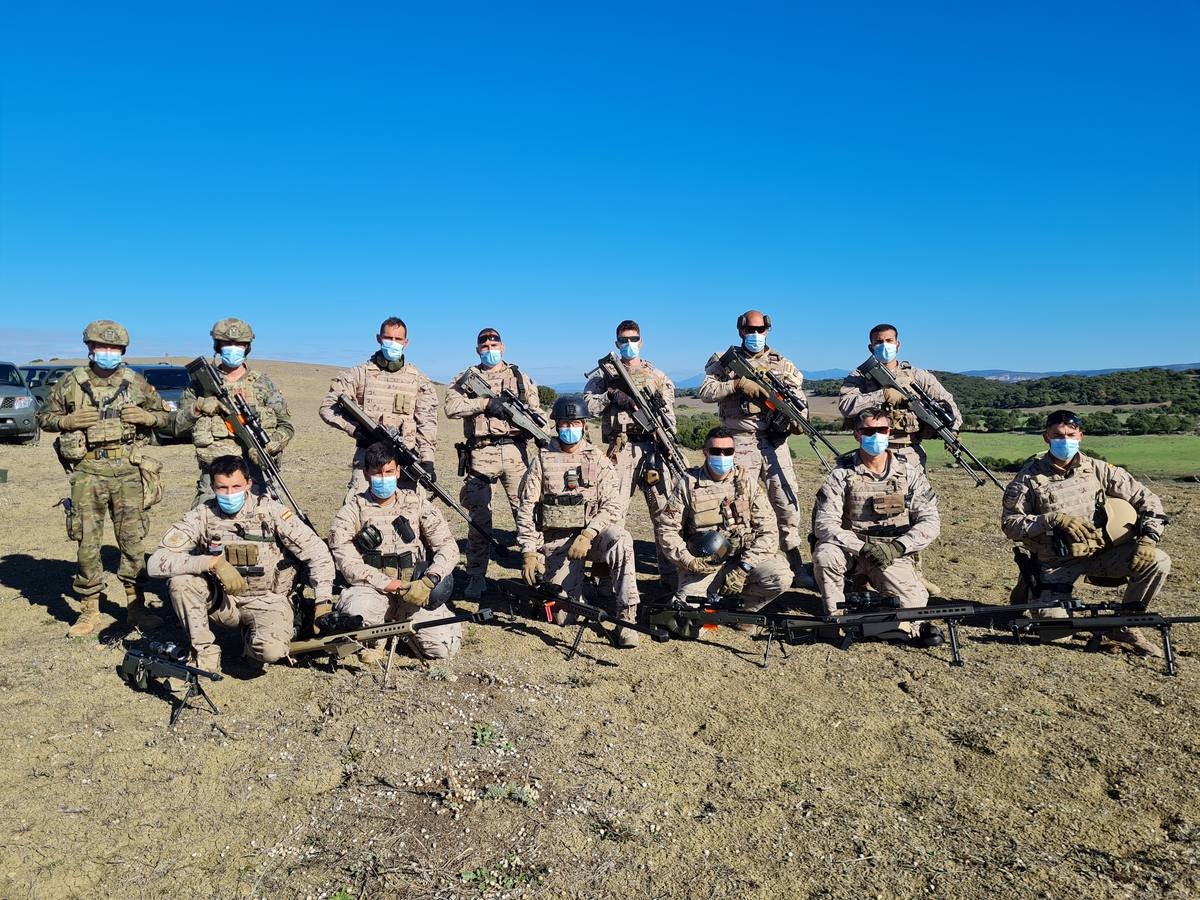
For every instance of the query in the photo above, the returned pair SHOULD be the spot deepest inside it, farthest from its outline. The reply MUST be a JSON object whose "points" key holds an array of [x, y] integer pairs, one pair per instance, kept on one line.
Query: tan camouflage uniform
{"points": [[408, 523], [856, 506], [497, 451], [262, 528], [541, 514], [739, 508], [395, 393]]}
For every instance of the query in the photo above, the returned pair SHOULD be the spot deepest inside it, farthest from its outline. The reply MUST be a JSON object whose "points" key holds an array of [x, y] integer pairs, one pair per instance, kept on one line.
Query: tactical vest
{"points": [[724, 505], [737, 406], [1077, 495], [614, 420], [399, 525], [250, 539], [878, 507], [499, 379], [905, 424], [210, 435], [392, 396], [570, 484], [82, 391]]}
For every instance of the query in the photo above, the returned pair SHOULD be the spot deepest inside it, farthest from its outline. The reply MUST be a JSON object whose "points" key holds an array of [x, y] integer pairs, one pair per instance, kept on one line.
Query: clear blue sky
{"points": [[1015, 185]]}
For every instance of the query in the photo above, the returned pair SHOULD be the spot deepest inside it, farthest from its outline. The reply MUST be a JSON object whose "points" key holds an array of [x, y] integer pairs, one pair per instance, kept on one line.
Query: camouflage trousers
{"points": [[766, 581], [502, 464], [632, 462], [1112, 562], [612, 548], [113, 486], [833, 564], [772, 465], [265, 620], [376, 607]]}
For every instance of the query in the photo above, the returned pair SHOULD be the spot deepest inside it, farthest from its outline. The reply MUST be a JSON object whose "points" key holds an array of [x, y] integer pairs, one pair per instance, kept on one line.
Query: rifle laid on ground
{"points": [[932, 415], [545, 599], [348, 634], [686, 620], [247, 428], [516, 410], [410, 463], [781, 400], [649, 412], [160, 661]]}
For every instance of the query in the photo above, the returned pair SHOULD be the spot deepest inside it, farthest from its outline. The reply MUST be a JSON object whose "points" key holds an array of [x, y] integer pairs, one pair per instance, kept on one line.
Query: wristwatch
{"points": [[436, 579], [746, 567]]}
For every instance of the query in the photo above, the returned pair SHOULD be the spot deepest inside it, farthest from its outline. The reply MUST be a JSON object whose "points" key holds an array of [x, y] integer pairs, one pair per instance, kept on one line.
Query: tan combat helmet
{"points": [[232, 329], [106, 332], [1120, 520]]}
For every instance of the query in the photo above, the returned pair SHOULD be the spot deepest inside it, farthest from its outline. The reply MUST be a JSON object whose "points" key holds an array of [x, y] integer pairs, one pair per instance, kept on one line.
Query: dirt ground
{"points": [[675, 770]]}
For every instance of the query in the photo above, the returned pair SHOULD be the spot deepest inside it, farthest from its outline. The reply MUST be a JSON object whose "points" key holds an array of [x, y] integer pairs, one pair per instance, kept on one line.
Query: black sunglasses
{"points": [[719, 451], [756, 329], [881, 429], [629, 340]]}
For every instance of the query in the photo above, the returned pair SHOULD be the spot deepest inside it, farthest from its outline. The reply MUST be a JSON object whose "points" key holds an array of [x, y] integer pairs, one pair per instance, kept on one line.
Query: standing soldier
{"points": [[495, 450], [233, 560], [873, 512], [762, 447], [630, 448], [106, 412], [569, 513], [397, 553], [390, 390], [204, 418]]}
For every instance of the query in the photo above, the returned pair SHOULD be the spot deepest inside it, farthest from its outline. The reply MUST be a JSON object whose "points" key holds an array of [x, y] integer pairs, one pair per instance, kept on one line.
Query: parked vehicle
{"points": [[18, 407], [40, 377], [170, 381]]}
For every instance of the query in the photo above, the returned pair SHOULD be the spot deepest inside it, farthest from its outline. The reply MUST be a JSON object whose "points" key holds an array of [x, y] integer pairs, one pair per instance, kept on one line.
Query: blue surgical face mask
{"points": [[754, 342], [720, 465], [886, 351], [490, 357], [1064, 449], [231, 503], [383, 486], [874, 443], [632, 350], [107, 359], [233, 355], [393, 351], [571, 435]]}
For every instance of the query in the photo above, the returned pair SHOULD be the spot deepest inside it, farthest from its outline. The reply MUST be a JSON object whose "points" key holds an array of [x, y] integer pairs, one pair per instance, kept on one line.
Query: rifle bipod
{"points": [[194, 688]]}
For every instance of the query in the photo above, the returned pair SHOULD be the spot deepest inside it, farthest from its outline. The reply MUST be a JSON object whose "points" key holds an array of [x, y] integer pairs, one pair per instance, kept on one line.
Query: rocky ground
{"points": [[676, 770]]}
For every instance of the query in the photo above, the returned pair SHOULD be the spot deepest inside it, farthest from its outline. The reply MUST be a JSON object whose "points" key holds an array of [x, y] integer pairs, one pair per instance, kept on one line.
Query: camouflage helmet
{"points": [[232, 329], [106, 332], [1120, 520], [568, 408], [712, 546]]}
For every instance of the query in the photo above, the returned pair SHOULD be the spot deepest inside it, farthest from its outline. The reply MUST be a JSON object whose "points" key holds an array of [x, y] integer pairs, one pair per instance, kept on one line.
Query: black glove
{"points": [[427, 465]]}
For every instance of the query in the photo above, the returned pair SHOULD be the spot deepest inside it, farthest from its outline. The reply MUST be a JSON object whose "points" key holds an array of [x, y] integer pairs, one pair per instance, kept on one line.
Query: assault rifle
{"points": [[545, 599], [932, 415], [348, 634], [650, 414], [247, 428], [781, 400], [516, 411], [410, 463], [160, 660]]}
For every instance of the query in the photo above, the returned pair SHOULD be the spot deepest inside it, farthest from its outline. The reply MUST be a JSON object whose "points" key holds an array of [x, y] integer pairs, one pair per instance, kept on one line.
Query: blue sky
{"points": [[1016, 186]]}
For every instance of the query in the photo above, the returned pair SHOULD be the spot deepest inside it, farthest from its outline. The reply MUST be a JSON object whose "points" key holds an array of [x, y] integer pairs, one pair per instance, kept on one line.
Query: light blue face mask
{"points": [[720, 465], [393, 351], [1064, 449], [107, 359], [754, 342], [570, 435], [231, 503], [490, 357], [383, 486], [632, 350], [874, 443], [886, 351], [233, 356]]}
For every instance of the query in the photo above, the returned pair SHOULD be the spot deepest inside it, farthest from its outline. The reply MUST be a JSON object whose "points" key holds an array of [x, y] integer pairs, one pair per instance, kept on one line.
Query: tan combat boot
{"points": [[89, 617], [625, 639], [1135, 640], [372, 656], [136, 614]]}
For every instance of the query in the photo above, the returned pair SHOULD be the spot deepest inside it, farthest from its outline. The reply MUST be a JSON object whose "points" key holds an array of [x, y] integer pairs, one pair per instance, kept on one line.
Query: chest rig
{"points": [[389, 537], [109, 397], [250, 541], [723, 505], [878, 507], [478, 429], [569, 489], [391, 396]]}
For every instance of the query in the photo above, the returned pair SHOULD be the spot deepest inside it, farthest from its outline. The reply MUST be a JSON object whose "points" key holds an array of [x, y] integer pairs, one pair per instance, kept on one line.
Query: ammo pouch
{"points": [[885, 532], [109, 430], [888, 504], [561, 512], [707, 513], [394, 565], [71, 447], [241, 554], [151, 471], [403, 404]]}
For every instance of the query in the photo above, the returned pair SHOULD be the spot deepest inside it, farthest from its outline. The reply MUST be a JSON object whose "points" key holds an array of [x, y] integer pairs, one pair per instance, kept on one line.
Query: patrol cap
{"points": [[1063, 417], [107, 332], [487, 334]]}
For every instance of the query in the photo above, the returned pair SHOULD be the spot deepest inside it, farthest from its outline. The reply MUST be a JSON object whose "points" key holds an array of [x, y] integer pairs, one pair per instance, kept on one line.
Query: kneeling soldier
{"points": [[233, 559], [394, 548], [727, 499], [569, 504], [873, 512]]}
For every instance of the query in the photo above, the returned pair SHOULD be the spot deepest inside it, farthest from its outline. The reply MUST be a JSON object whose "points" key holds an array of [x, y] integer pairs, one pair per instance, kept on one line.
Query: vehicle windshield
{"points": [[10, 377], [167, 378]]}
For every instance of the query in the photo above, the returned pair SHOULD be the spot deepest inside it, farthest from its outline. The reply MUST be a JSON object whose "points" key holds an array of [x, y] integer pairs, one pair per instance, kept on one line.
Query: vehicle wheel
{"points": [[34, 439]]}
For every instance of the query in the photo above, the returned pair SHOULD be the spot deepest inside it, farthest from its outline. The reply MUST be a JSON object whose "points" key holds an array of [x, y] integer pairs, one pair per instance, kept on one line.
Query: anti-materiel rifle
{"points": [[516, 411], [244, 423], [348, 635], [159, 661], [932, 415], [686, 620], [781, 400], [410, 463]]}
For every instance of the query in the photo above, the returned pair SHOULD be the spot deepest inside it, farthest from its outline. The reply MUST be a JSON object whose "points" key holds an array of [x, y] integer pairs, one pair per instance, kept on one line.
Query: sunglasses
{"points": [[882, 429], [756, 329], [629, 340], [719, 451]]}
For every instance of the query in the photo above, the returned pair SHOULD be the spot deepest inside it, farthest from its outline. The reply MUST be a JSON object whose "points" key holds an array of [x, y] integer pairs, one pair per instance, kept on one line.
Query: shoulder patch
{"points": [[175, 539]]}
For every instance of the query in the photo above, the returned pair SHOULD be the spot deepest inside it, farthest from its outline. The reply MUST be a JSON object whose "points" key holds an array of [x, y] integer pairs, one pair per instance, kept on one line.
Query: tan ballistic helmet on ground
{"points": [[232, 329], [1120, 520], [106, 332]]}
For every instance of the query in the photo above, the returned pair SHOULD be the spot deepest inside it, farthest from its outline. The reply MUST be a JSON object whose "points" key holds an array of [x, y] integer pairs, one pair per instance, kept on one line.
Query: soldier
{"points": [[395, 550], [630, 449], [233, 559], [762, 449], [1051, 507], [204, 418], [495, 450], [106, 412], [873, 512], [727, 499], [568, 504], [860, 391]]}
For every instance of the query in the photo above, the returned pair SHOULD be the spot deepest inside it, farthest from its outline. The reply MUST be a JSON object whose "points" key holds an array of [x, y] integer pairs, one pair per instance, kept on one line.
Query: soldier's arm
{"points": [[666, 390], [346, 382], [346, 556], [437, 536], [595, 395], [528, 495], [303, 543], [425, 417], [458, 404], [794, 379], [176, 554], [858, 393], [764, 540], [934, 389], [608, 510], [284, 430], [827, 521], [1019, 517], [50, 415], [150, 400], [717, 384], [1119, 483], [923, 513], [669, 528], [531, 394]]}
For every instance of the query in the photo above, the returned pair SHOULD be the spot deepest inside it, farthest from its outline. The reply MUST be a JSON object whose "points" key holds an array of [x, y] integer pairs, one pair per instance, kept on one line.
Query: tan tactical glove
{"points": [[1079, 531], [735, 581], [697, 566], [418, 592], [1144, 556], [893, 397], [531, 568], [751, 390], [206, 406], [80, 419], [273, 448], [883, 554], [582, 544], [231, 579], [135, 415]]}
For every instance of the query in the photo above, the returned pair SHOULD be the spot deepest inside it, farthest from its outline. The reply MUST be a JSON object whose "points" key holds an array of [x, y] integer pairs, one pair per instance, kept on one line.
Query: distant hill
{"points": [[1008, 375]]}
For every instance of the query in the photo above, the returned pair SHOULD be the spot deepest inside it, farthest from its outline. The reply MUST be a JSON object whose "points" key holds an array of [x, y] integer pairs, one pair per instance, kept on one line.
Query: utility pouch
{"points": [[464, 457], [403, 404], [888, 504], [562, 512], [70, 447], [706, 513], [404, 529], [241, 554], [150, 470], [109, 430]]}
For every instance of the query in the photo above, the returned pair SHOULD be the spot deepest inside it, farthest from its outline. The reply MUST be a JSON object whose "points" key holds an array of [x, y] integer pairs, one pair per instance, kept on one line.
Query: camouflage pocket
{"points": [[71, 446], [150, 470], [888, 504], [241, 554], [403, 404]]}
